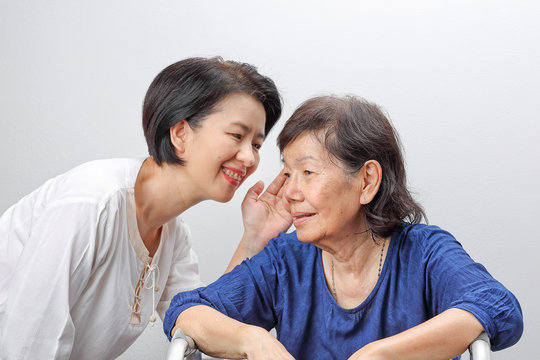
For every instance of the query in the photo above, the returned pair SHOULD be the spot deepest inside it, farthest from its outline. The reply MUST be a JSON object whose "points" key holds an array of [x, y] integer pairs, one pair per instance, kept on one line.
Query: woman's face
{"points": [[324, 202], [224, 150]]}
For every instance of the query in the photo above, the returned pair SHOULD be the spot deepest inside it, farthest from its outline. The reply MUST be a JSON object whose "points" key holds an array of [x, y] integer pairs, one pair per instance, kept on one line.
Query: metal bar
{"points": [[480, 348]]}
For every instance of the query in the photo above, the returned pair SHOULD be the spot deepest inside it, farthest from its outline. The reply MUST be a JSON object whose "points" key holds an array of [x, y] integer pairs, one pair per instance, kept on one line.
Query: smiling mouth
{"points": [[299, 218], [232, 176]]}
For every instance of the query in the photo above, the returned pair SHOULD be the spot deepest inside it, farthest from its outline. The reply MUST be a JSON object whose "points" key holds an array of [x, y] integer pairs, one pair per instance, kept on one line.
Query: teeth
{"points": [[232, 174]]}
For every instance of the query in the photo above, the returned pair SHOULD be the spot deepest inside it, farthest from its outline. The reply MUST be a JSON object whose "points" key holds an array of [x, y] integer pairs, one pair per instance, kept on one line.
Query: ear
{"points": [[178, 136], [371, 176]]}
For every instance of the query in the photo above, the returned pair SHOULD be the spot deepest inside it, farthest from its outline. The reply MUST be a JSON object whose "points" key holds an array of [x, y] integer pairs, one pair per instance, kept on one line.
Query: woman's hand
{"points": [[266, 215], [261, 345], [371, 351]]}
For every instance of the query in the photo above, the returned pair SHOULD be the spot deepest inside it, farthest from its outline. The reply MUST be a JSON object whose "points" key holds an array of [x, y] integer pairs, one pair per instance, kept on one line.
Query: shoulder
{"points": [[285, 260], [287, 245], [106, 172], [420, 240], [423, 235], [94, 181]]}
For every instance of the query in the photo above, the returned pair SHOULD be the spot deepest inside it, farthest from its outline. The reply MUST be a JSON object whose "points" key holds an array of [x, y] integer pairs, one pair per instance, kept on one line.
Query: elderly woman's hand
{"points": [[261, 345], [265, 216], [371, 352]]}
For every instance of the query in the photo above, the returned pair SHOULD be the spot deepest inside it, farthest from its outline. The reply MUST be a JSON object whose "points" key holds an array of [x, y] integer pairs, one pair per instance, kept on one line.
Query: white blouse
{"points": [[76, 281]]}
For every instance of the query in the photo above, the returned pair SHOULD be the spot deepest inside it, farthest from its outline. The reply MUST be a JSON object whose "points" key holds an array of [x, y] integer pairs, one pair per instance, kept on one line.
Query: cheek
{"points": [[252, 169]]}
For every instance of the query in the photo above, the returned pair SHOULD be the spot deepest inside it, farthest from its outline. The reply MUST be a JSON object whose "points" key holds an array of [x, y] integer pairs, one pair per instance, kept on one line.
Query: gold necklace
{"points": [[378, 275]]}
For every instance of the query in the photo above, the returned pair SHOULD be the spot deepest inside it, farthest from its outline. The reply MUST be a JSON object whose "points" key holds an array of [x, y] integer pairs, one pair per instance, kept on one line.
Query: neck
{"points": [[352, 251], [161, 194], [351, 275]]}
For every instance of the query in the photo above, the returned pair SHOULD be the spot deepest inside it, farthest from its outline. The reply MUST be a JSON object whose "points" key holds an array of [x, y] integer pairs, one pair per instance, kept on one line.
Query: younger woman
{"points": [[90, 255]]}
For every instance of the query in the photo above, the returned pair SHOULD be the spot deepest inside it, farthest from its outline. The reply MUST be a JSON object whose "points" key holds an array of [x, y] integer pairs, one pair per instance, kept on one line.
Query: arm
{"points": [[444, 336], [454, 280], [461, 300], [220, 336], [51, 273], [246, 294], [184, 269], [264, 217]]}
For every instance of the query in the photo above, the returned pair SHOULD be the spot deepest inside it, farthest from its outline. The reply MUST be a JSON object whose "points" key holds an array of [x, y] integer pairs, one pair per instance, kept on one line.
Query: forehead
{"points": [[240, 109], [307, 146]]}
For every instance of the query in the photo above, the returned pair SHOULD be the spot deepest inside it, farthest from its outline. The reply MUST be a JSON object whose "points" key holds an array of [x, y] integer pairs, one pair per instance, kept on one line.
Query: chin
{"points": [[305, 237], [310, 233], [223, 197]]}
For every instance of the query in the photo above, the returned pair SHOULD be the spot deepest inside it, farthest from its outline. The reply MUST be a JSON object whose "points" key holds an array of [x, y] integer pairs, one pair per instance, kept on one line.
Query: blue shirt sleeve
{"points": [[245, 294], [454, 280]]}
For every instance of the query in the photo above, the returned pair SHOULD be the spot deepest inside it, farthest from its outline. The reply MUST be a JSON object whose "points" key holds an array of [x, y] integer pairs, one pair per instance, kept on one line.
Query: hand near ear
{"points": [[266, 215]]}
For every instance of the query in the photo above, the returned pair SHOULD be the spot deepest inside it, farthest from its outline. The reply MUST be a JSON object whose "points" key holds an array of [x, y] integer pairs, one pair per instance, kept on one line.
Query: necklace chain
{"points": [[378, 274]]}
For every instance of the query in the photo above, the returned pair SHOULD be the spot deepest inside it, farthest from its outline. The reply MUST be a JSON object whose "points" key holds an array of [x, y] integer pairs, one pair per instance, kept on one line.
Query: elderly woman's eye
{"points": [[307, 172], [287, 175], [236, 136]]}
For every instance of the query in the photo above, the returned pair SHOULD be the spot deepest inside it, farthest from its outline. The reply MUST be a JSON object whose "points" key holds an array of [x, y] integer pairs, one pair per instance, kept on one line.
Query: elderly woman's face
{"points": [[324, 201]]}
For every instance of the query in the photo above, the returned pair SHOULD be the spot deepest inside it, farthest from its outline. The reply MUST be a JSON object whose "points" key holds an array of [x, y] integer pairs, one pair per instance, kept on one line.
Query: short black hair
{"points": [[354, 131], [190, 89]]}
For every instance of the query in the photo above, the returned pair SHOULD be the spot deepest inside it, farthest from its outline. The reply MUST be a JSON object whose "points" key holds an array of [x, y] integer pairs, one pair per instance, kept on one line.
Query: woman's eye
{"points": [[286, 174], [257, 146], [307, 172], [236, 136]]}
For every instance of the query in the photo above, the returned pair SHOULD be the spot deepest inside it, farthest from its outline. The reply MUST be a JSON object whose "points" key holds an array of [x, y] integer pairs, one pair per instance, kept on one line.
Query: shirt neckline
{"points": [[133, 231], [389, 259]]}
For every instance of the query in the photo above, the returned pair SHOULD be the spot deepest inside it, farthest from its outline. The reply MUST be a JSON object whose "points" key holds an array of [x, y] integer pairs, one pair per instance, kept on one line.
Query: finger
{"points": [[277, 184], [254, 191]]}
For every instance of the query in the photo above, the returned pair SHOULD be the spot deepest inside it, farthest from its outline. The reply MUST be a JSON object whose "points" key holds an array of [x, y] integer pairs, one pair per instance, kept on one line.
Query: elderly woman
{"points": [[360, 278]]}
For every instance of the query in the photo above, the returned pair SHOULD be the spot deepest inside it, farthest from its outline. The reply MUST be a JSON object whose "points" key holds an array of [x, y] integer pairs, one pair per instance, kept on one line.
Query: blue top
{"points": [[426, 272]]}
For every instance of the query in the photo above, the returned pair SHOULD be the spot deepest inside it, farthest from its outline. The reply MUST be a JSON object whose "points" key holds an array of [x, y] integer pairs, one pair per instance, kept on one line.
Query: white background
{"points": [[459, 79]]}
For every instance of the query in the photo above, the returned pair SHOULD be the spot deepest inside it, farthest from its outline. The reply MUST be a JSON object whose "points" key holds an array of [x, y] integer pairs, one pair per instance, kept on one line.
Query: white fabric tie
{"points": [[151, 272]]}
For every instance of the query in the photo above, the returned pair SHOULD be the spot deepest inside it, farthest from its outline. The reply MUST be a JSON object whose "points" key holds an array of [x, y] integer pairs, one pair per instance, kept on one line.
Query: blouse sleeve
{"points": [[51, 273], [454, 280], [246, 294], [184, 273]]}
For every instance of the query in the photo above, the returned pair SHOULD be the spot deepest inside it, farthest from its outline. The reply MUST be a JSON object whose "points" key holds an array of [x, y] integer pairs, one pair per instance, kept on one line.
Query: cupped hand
{"points": [[266, 215]]}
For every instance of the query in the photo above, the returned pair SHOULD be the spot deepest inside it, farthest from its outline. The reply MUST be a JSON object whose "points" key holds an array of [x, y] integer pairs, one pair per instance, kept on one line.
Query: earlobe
{"points": [[177, 134], [371, 174]]}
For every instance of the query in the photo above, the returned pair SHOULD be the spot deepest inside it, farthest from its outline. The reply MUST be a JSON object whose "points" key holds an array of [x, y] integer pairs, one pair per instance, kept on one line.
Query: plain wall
{"points": [[459, 79]]}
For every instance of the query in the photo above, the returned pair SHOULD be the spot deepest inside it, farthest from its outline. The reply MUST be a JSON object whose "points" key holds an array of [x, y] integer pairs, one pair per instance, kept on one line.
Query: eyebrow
{"points": [[300, 159], [247, 129]]}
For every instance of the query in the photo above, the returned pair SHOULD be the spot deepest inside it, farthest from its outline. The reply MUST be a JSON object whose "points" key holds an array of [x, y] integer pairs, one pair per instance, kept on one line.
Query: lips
{"points": [[234, 176], [301, 217]]}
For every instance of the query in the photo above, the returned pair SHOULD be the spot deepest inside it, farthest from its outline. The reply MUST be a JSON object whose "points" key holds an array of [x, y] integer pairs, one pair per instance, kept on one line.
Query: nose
{"points": [[248, 155], [292, 191]]}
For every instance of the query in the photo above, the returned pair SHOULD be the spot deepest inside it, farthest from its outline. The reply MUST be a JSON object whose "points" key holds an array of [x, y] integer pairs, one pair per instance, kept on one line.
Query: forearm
{"points": [[215, 333], [241, 253], [264, 216], [445, 336], [249, 246]]}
